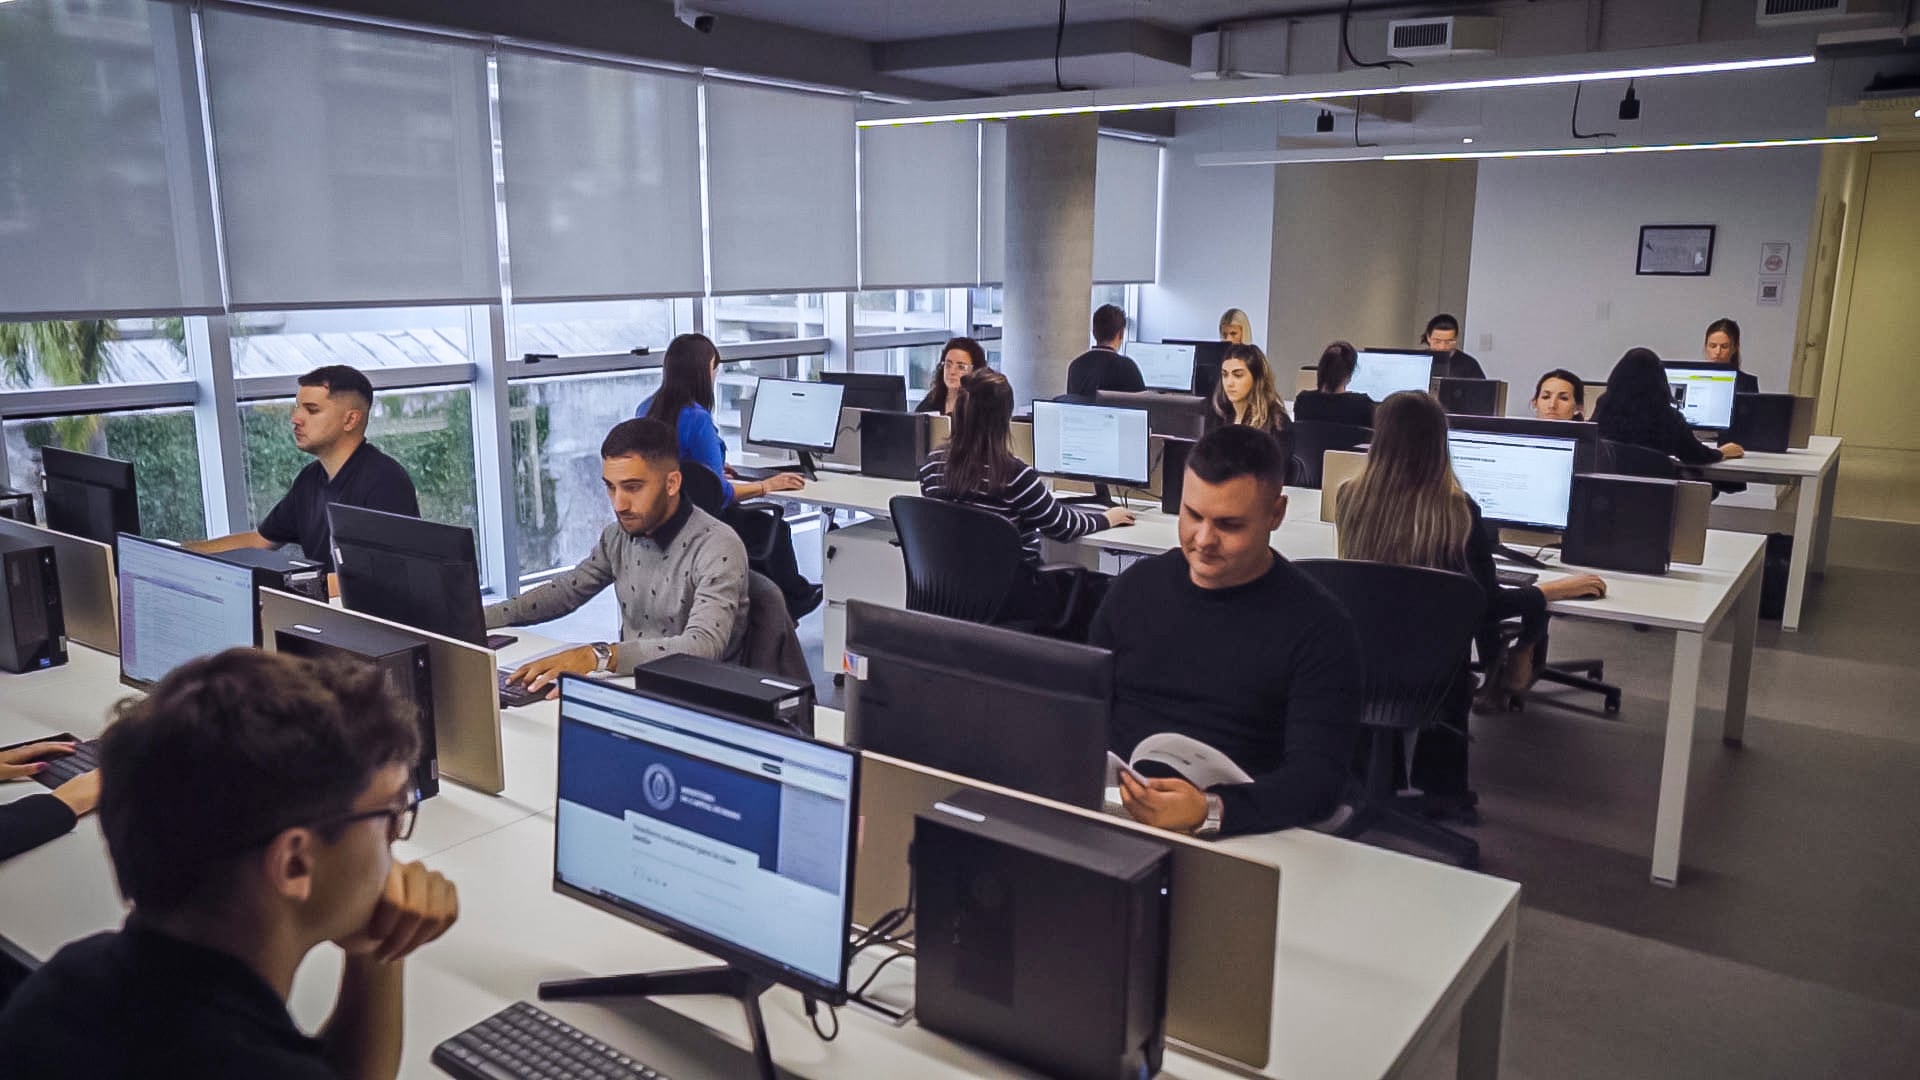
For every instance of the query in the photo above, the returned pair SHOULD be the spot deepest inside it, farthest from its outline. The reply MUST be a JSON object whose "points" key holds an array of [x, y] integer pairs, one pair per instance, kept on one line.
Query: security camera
{"points": [[701, 21]]}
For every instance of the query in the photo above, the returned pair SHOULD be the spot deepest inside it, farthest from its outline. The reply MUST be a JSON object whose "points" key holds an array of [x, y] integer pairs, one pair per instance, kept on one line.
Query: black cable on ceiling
{"points": [[1059, 41], [1346, 44], [1573, 122]]}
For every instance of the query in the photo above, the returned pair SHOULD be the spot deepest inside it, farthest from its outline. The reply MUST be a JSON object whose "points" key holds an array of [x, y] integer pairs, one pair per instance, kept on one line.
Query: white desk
{"points": [[1813, 471], [1379, 952]]}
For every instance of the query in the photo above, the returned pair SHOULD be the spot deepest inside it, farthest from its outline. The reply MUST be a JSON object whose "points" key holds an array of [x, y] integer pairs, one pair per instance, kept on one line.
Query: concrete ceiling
{"points": [[906, 20]]}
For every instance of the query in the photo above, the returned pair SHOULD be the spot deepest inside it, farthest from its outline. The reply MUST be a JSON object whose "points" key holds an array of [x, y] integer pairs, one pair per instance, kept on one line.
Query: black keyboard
{"points": [[521, 1042], [513, 695], [64, 767], [1514, 579], [1093, 502]]}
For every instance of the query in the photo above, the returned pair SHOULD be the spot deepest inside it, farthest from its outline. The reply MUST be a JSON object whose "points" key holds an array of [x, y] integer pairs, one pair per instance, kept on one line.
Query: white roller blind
{"points": [[603, 180], [1126, 211], [354, 166], [919, 210], [104, 205], [780, 182], [993, 203]]}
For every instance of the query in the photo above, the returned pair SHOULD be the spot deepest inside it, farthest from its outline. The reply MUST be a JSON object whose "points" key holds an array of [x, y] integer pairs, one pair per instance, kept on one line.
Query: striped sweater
{"points": [[1023, 499]]}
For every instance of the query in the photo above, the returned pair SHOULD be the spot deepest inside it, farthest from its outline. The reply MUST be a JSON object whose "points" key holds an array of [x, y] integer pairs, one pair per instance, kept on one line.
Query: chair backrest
{"points": [[1415, 627], [699, 484], [772, 644], [962, 562], [1626, 459], [1311, 441]]}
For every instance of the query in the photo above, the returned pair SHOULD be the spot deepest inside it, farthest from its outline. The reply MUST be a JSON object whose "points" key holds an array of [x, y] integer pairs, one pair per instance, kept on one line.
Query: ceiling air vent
{"points": [[1796, 12], [1448, 35]]}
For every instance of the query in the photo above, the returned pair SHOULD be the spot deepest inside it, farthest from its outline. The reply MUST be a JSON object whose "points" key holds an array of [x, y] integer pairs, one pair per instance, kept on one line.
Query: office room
{"points": [[1407, 507]]}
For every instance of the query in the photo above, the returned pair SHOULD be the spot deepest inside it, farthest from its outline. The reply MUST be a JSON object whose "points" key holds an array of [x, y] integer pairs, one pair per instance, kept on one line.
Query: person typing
{"points": [[27, 823]]}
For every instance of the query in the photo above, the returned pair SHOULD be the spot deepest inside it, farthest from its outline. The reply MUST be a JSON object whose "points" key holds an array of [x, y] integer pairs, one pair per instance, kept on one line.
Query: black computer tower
{"points": [[1620, 523], [729, 689], [403, 658], [1470, 397], [1173, 473], [1762, 422], [892, 445], [1042, 936], [16, 505], [282, 571], [33, 632]]}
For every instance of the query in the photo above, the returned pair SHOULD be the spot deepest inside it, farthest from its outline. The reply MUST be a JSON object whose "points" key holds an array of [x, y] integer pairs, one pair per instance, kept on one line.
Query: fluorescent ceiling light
{"points": [[1345, 85], [1415, 152]]}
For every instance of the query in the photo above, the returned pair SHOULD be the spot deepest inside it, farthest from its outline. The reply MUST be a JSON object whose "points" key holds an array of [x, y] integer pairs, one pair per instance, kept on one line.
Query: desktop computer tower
{"points": [[728, 688], [1620, 523], [892, 445], [404, 660], [1041, 935], [1173, 473], [276, 569], [33, 631]]}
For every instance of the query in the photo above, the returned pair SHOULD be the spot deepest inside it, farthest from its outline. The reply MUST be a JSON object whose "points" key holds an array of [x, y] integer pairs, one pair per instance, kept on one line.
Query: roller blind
{"points": [[354, 164], [1126, 211], [993, 203], [104, 204], [919, 207], [603, 180], [780, 182]]}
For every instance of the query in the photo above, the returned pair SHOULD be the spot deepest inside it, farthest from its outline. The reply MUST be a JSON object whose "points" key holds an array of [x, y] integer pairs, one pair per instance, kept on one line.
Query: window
{"points": [[160, 443], [778, 317], [989, 308], [1112, 294], [899, 310], [296, 342], [558, 423], [92, 352], [590, 327]]}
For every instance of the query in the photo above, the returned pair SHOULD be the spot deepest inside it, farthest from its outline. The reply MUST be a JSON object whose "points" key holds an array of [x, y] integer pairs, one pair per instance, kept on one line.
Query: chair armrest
{"points": [[1076, 577]]}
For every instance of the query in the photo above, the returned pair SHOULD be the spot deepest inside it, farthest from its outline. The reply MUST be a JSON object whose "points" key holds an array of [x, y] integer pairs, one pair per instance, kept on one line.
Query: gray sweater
{"points": [[682, 589]]}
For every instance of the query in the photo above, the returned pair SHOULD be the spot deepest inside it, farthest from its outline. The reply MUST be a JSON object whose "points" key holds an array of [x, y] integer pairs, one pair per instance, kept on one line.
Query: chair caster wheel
{"points": [[840, 678], [1613, 703]]}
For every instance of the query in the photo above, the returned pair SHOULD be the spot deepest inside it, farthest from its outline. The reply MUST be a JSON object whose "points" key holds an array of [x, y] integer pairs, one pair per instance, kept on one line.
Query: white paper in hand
{"points": [[1196, 762]]}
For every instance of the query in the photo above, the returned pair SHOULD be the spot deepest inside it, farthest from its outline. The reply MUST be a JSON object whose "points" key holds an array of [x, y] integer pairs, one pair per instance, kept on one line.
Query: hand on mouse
{"points": [[1576, 587]]}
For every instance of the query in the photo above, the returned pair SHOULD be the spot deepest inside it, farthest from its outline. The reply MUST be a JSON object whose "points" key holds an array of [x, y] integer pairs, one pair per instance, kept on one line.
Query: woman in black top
{"points": [[959, 358], [1638, 409], [1723, 347], [1246, 395], [1332, 402], [27, 823]]}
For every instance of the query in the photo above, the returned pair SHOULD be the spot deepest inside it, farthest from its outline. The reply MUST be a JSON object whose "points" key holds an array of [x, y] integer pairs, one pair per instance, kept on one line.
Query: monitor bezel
{"points": [[1122, 481], [120, 592], [824, 448], [1516, 523], [866, 380], [1585, 433], [475, 605]]}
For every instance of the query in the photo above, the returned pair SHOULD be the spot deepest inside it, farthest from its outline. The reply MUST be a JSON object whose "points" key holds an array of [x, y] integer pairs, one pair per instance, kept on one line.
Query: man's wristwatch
{"points": [[1210, 828], [602, 657]]}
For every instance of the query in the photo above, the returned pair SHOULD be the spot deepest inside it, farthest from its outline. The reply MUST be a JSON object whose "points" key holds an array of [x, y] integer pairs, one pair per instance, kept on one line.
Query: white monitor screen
{"points": [[1380, 374], [738, 835], [1704, 395], [1092, 442], [1163, 367], [1516, 479], [797, 414], [177, 606]]}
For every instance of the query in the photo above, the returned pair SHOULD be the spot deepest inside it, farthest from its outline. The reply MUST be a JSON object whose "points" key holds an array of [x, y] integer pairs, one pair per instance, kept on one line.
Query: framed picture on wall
{"points": [[1675, 250]]}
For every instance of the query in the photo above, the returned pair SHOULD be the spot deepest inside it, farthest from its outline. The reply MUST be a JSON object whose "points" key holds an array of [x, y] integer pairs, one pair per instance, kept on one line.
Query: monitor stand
{"points": [[806, 466], [721, 980], [1518, 558]]}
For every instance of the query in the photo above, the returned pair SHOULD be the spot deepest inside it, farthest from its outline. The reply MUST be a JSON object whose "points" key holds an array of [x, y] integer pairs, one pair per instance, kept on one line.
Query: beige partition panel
{"points": [[1339, 466], [1691, 501]]}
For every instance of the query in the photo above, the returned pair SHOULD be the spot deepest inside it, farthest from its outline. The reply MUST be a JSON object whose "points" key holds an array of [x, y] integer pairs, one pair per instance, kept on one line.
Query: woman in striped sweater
{"points": [[977, 468]]}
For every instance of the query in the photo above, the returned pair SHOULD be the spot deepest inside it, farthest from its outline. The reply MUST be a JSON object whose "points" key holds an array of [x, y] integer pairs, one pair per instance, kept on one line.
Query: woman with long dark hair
{"points": [[1638, 409], [1332, 402], [959, 358]]}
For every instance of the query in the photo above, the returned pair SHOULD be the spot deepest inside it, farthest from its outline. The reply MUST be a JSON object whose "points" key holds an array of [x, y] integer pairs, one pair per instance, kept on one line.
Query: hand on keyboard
{"points": [[543, 675], [31, 760]]}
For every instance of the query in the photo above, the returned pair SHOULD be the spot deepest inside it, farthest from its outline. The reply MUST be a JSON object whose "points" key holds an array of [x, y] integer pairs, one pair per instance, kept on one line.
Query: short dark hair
{"points": [[1441, 321], [229, 750], [1236, 450], [643, 438], [340, 379], [1109, 322]]}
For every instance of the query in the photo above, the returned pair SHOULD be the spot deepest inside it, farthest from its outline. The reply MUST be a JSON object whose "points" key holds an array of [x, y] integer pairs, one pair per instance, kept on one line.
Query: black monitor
{"points": [[732, 837], [1584, 433], [797, 415], [1182, 416], [993, 704], [90, 496], [1091, 442], [177, 605], [881, 393], [417, 573]]}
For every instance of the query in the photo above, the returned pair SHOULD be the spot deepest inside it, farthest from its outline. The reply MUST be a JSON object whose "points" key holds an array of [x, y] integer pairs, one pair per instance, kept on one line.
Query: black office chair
{"points": [[756, 525], [967, 563], [1415, 627], [1626, 459], [1311, 441]]}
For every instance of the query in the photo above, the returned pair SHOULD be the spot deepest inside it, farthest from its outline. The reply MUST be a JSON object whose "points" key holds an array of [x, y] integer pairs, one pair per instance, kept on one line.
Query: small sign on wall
{"points": [[1774, 256], [1773, 290], [1675, 250]]}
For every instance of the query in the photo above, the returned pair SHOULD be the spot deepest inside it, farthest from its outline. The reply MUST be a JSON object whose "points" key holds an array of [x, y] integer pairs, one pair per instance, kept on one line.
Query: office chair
{"points": [[1415, 627], [1311, 441], [757, 526], [967, 563], [1626, 459]]}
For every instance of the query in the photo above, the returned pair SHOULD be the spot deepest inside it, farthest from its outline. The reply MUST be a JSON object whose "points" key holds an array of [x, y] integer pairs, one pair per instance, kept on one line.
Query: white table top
{"points": [[1792, 464]]}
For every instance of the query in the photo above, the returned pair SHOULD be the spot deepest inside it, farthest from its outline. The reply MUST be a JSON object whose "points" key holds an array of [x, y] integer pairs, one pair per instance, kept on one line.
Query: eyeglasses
{"points": [[400, 819], [958, 365]]}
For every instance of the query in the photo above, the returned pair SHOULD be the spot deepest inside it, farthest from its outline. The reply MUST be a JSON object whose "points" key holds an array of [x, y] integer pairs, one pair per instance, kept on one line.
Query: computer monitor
{"points": [[1091, 442], [1207, 354], [1380, 373], [796, 415], [1521, 480], [733, 837], [177, 605], [1182, 416], [882, 393], [417, 573], [1164, 366], [994, 704], [1703, 392], [90, 496], [1584, 433]]}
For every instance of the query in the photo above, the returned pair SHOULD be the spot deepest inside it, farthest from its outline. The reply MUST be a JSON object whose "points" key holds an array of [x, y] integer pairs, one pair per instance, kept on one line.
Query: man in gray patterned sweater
{"points": [[680, 573]]}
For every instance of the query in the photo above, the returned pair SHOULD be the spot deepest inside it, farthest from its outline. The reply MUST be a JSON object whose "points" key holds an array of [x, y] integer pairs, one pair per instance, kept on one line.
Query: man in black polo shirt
{"points": [[329, 422], [1442, 337], [249, 805], [1104, 367]]}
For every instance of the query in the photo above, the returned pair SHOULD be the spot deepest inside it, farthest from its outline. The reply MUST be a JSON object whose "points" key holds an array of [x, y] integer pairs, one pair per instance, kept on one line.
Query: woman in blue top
{"points": [[685, 402]]}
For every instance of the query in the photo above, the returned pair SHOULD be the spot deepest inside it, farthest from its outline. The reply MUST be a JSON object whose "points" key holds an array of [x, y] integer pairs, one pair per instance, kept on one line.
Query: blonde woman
{"points": [[1235, 327]]}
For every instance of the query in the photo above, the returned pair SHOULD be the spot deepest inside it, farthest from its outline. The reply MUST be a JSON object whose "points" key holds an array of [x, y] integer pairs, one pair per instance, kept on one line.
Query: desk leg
{"points": [[1826, 482], [1483, 1021], [1806, 536], [1746, 619], [1682, 696]]}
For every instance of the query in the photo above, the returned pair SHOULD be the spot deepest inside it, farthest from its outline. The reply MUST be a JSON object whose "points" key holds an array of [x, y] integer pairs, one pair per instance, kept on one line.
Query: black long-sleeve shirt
{"points": [[27, 823], [1100, 369], [1345, 407], [1661, 428], [1526, 602], [1457, 365], [1267, 673]]}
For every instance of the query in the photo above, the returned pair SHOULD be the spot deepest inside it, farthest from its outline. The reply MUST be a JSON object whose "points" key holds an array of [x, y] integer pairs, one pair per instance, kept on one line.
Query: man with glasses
{"points": [[249, 804]]}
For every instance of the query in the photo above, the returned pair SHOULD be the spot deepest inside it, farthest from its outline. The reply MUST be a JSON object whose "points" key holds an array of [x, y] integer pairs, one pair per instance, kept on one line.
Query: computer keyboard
{"points": [[521, 1042], [64, 767], [1514, 579], [513, 695]]}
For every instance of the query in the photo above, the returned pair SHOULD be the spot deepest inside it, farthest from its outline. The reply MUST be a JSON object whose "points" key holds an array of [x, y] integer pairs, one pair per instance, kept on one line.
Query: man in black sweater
{"points": [[1442, 335], [1103, 367], [1226, 642]]}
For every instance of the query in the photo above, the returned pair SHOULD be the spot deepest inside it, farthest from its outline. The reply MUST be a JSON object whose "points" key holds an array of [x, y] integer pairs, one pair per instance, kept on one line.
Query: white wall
{"points": [[1216, 231], [1552, 282]]}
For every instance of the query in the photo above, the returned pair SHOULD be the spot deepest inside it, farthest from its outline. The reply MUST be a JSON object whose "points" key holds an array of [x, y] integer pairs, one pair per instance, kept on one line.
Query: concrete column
{"points": [[1049, 270]]}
